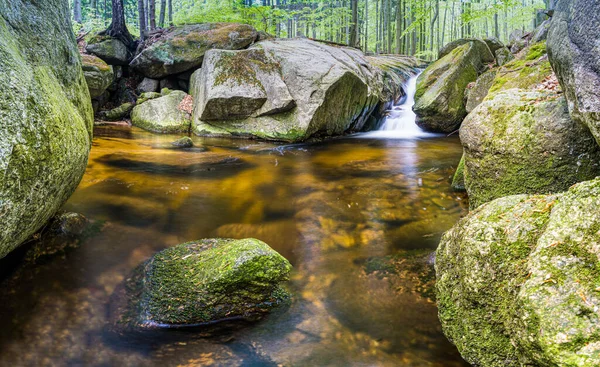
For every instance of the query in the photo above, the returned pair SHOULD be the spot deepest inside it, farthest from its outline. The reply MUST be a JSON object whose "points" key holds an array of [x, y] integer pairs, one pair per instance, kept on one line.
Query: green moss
{"points": [[536, 51], [458, 181], [213, 279]]}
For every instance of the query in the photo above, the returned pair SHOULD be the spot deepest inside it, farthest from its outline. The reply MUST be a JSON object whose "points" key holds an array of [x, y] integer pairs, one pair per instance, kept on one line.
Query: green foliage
{"points": [[419, 27]]}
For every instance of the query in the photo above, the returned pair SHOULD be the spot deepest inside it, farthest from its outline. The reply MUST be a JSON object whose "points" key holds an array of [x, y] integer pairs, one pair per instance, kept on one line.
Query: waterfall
{"points": [[400, 122]]}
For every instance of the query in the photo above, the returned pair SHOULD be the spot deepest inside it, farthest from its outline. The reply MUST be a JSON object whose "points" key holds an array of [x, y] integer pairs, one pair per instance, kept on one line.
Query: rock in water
{"points": [[575, 57], [439, 99], [45, 116], [182, 48], [98, 74], [109, 49], [285, 90], [203, 283], [517, 280], [185, 142], [524, 142], [163, 114]]}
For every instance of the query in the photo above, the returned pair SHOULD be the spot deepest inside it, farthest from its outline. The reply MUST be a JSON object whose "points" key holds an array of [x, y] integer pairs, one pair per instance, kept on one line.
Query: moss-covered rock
{"points": [[180, 49], [458, 180], [480, 89], [163, 114], [98, 74], [118, 113], [519, 142], [525, 72], [45, 116], [487, 54], [287, 90], [575, 57], [517, 280], [439, 98], [503, 56], [205, 282], [109, 49]]}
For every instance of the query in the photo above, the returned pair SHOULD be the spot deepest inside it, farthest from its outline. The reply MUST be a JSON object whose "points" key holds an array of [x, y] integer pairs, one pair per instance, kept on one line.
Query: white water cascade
{"points": [[400, 122]]}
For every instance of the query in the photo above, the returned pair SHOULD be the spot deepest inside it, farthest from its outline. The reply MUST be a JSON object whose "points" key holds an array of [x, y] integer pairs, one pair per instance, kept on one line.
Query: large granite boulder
{"points": [[201, 284], [111, 50], [164, 114], [285, 90], [575, 56], [98, 75], [524, 142], [182, 48], [491, 44], [517, 280], [45, 116], [439, 99]]}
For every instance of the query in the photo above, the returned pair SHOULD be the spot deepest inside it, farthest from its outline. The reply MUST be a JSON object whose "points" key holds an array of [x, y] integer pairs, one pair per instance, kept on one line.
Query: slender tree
{"points": [[77, 16], [163, 8], [142, 19]]}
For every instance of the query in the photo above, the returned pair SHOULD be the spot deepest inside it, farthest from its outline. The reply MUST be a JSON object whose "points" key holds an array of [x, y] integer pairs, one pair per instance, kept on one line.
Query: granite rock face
{"points": [[575, 57], [45, 116]]}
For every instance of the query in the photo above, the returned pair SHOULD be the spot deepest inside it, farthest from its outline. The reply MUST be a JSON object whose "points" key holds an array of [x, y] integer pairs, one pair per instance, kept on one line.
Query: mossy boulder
{"points": [[182, 48], [439, 98], [503, 56], [163, 114], [487, 53], [517, 280], [524, 142], [480, 89], [45, 116], [458, 180], [526, 71], [287, 89], [118, 113], [98, 74], [202, 283], [575, 57], [109, 49]]}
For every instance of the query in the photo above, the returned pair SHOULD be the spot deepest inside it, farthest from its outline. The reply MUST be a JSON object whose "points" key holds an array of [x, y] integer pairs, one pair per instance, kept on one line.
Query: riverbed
{"points": [[359, 219]]}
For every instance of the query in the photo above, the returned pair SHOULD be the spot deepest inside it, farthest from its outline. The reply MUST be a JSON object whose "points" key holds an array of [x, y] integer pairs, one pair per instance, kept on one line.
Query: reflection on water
{"points": [[358, 219]]}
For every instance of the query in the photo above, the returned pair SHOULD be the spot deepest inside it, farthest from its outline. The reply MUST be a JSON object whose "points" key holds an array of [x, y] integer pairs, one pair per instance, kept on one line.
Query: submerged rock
{"points": [[575, 56], [439, 98], [185, 142], [109, 49], [182, 48], [520, 142], [98, 75], [46, 116], [163, 114], [201, 284], [269, 92], [517, 280]]}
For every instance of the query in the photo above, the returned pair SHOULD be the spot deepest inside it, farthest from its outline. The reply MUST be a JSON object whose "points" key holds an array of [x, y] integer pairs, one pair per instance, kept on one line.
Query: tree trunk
{"points": [[435, 16], [171, 13], [366, 26], [354, 24], [77, 11], [163, 9], [142, 18], [117, 28], [152, 14]]}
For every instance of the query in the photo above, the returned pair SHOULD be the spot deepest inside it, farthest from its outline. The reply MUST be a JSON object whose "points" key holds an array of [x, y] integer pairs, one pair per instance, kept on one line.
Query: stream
{"points": [[358, 217]]}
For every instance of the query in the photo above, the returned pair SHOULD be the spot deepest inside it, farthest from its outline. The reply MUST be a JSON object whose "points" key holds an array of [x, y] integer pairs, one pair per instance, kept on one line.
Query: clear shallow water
{"points": [[358, 219]]}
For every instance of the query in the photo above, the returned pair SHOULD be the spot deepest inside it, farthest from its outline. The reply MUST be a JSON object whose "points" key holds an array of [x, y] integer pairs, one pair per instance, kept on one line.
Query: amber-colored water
{"points": [[334, 209]]}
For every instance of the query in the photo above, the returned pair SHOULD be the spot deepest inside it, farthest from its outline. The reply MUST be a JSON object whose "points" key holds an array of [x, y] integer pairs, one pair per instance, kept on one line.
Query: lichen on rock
{"points": [[517, 280]]}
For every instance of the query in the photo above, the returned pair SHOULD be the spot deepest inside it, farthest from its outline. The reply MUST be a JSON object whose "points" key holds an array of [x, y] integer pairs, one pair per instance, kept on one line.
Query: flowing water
{"points": [[358, 219]]}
